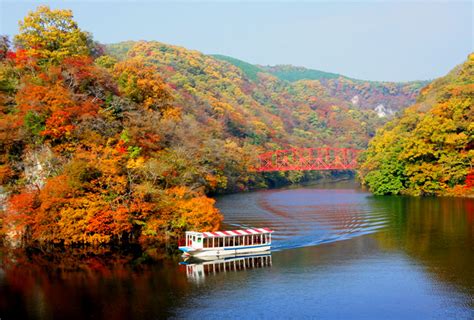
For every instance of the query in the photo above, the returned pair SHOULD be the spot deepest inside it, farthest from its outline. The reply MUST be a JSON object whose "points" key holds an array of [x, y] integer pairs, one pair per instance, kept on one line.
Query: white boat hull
{"points": [[219, 252]]}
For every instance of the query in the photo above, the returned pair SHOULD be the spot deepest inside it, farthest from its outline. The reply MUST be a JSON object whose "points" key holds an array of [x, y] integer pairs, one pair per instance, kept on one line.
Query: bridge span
{"points": [[308, 159]]}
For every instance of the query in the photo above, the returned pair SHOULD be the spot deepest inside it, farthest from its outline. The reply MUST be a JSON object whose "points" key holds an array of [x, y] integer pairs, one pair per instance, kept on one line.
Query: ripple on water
{"points": [[305, 217]]}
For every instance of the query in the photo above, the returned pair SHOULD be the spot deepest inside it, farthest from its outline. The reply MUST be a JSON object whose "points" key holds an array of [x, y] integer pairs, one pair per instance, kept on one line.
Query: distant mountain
{"points": [[250, 70], [293, 73], [386, 98]]}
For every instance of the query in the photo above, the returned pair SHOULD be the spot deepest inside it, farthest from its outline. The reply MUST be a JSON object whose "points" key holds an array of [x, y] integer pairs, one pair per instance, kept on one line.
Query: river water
{"points": [[338, 253]]}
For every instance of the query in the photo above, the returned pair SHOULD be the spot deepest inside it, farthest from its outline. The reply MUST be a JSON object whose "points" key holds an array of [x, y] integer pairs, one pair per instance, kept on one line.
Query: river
{"points": [[338, 253]]}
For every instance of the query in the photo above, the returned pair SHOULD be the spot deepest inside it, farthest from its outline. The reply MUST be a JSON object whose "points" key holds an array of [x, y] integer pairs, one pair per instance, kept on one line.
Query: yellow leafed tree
{"points": [[51, 35]]}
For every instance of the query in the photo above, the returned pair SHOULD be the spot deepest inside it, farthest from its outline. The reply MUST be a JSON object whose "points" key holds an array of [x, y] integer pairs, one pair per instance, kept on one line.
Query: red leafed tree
{"points": [[470, 180]]}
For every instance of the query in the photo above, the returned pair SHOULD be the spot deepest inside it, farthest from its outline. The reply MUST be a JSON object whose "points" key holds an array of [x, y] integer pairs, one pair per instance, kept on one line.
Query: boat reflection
{"points": [[197, 269]]}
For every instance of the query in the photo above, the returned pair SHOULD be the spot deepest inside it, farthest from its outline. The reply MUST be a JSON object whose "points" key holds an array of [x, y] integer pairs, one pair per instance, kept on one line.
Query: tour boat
{"points": [[220, 243]]}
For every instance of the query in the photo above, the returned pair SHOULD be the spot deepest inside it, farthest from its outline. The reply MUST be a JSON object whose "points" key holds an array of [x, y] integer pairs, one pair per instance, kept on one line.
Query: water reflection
{"points": [[198, 270], [78, 284], [436, 232]]}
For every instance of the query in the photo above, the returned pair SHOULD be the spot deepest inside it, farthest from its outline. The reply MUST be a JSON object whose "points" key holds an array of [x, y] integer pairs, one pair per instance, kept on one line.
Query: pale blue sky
{"points": [[373, 40]]}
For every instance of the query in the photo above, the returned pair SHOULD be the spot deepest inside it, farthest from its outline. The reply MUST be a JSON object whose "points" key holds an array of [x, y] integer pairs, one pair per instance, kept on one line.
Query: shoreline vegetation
{"points": [[124, 144], [429, 148]]}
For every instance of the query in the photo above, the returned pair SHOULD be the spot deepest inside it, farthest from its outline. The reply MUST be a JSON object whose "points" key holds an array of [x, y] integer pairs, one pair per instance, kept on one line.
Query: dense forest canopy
{"points": [[269, 113], [125, 142], [386, 98], [84, 144], [429, 149]]}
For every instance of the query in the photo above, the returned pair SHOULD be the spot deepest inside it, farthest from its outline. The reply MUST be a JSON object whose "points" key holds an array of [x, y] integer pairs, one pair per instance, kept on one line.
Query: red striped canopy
{"points": [[236, 232]]}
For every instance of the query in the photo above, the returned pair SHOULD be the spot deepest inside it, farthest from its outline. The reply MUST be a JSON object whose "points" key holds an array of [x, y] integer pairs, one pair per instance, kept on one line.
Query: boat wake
{"points": [[305, 217]]}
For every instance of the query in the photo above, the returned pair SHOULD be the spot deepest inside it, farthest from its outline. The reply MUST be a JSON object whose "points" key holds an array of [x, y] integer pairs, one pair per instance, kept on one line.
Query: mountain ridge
{"points": [[312, 74], [385, 98]]}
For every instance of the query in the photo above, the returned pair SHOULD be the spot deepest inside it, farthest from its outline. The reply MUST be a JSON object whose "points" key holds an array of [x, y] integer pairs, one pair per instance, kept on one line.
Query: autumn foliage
{"points": [[51, 35], [80, 152], [429, 149]]}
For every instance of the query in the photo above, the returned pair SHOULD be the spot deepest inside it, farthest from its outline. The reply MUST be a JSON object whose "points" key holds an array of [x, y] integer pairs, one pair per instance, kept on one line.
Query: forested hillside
{"points": [[268, 113], [429, 149], [386, 98], [85, 154]]}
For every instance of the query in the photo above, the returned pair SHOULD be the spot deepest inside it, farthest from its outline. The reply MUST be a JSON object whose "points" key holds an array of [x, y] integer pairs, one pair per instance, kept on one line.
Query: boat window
{"points": [[226, 241], [221, 242], [232, 241]]}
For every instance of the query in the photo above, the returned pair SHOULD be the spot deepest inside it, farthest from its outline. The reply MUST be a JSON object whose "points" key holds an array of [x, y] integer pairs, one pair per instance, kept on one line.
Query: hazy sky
{"points": [[373, 40]]}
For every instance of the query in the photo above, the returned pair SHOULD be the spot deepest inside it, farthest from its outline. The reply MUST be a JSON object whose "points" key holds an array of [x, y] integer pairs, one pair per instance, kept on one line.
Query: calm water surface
{"points": [[338, 252]]}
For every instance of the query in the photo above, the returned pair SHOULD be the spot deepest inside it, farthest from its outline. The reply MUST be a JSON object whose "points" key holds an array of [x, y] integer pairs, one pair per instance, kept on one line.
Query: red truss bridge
{"points": [[308, 159]]}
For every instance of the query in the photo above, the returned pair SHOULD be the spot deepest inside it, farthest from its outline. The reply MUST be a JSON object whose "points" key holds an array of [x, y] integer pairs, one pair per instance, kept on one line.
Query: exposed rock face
{"points": [[38, 165], [382, 111], [3, 198], [355, 100]]}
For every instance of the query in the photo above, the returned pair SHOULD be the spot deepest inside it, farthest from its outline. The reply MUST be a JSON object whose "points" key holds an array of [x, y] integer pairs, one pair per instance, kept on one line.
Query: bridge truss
{"points": [[308, 159]]}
